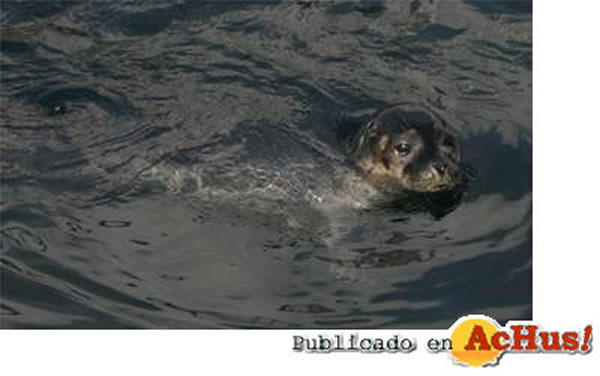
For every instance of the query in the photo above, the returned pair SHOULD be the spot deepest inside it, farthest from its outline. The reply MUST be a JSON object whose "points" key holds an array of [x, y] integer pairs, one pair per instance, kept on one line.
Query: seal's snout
{"points": [[439, 176]]}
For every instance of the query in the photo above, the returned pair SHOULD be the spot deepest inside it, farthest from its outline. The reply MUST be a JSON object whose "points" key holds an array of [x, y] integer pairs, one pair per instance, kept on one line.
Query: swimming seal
{"points": [[406, 147]]}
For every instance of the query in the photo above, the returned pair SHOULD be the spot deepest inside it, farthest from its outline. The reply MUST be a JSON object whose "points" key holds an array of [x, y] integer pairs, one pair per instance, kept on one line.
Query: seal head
{"points": [[407, 147]]}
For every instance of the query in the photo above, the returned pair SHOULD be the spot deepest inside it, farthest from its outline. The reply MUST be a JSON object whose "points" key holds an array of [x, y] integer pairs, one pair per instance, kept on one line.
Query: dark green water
{"points": [[160, 162]]}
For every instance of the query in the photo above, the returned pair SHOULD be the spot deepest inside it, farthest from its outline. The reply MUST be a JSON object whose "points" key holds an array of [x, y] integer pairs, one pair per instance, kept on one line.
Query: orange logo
{"points": [[478, 340]]}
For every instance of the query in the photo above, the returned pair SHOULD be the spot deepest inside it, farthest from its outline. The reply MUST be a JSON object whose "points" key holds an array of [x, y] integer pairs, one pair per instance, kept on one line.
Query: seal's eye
{"points": [[403, 149]]}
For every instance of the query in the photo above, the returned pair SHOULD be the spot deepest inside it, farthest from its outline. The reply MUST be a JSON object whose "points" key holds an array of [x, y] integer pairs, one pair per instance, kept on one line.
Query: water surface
{"points": [[172, 164]]}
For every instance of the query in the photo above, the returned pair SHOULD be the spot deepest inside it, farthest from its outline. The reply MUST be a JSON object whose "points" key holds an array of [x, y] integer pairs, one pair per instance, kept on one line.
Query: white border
{"points": [[566, 185]]}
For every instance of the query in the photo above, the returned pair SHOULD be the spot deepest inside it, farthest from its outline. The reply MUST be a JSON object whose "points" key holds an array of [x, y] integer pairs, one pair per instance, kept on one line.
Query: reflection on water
{"points": [[175, 165]]}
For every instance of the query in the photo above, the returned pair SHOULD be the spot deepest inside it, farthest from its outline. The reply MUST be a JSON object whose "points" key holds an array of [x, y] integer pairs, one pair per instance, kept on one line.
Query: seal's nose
{"points": [[440, 168]]}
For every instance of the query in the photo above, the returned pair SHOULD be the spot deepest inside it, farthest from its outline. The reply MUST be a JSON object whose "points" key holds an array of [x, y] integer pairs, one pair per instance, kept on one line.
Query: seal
{"points": [[406, 147]]}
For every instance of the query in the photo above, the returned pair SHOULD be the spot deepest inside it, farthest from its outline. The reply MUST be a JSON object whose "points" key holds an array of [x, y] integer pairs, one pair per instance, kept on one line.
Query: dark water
{"points": [[170, 164]]}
